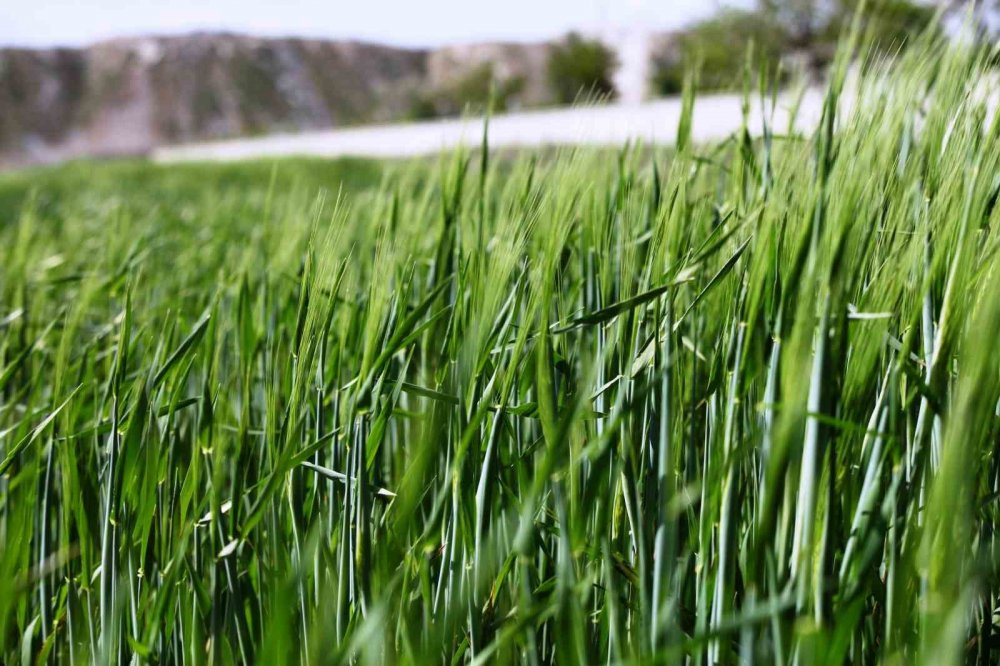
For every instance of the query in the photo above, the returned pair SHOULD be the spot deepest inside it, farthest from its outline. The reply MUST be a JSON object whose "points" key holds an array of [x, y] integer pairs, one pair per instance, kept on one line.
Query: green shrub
{"points": [[469, 93], [719, 46], [422, 107], [890, 24], [581, 66]]}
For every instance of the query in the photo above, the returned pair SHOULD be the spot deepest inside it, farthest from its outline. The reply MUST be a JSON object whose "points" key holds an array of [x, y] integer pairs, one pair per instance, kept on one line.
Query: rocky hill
{"points": [[128, 96], [125, 97]]}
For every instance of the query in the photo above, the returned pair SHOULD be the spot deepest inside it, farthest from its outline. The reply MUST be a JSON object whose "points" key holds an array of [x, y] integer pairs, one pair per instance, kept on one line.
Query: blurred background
{"points": [[112, 78]]}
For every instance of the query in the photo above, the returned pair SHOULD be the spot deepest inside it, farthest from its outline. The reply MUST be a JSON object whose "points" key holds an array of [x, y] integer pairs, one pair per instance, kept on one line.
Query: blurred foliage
{"points": [[471, 93], [580, 66], [807, 29], [889, 24], [719, 47], [577, 67]]}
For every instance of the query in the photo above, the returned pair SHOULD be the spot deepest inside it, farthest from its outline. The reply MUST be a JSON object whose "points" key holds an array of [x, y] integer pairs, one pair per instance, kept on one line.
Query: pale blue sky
{"points": [[405, 22]]}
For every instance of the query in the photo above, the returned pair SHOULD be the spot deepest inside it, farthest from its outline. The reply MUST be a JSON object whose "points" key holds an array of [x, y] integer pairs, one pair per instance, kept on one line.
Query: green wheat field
{"points": [[720, 404]]}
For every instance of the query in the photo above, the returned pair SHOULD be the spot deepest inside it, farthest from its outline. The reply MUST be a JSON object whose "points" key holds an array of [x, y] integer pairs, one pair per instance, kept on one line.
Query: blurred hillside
{"points": [[129, 96]]}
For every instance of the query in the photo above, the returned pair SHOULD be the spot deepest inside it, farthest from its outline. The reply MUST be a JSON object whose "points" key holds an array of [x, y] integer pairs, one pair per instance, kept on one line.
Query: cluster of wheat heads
{"points": [[731, 404]]}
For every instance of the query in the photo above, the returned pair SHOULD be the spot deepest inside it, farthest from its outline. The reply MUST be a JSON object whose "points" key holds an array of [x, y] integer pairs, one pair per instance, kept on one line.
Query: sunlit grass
{"points": [[722, 404]]}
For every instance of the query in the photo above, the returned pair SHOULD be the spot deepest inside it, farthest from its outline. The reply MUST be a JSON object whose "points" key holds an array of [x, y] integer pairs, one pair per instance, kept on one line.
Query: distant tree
{"points": [[887, 21], [809, 23], [889, 24], [800, 19], [581, 66], [472, 92], [810, 29], [720, 46]]}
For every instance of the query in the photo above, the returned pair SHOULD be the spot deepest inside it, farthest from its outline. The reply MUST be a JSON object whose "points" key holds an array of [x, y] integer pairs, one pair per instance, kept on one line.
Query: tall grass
{"points": [[737, 404]]}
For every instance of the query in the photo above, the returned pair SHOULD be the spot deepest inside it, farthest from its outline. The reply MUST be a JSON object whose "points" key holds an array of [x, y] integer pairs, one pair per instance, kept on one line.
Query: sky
{"points": [[400, 22]]}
